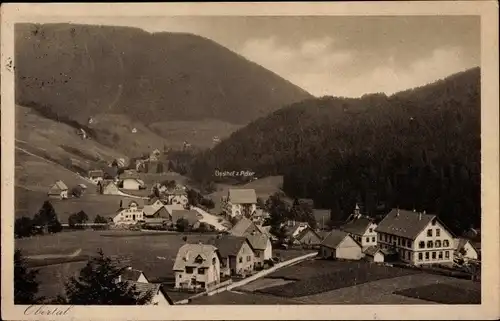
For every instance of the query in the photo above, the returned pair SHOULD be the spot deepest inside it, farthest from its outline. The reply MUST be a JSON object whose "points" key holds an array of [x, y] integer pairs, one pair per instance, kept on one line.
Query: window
{"points": [[373, 239], [433, 222], [409, 243], [426, 256], [201, 271], [367, 240], [248, 258], [447, 254], [440, 256], [438, 232], [430, 245], [257, 254], [446, 243], [433, 255], [420, 256], [421, 245], [189, 270], [180, 276], [429, 232], [371, 230], [438, 243], [240, 259], [213, 261]]}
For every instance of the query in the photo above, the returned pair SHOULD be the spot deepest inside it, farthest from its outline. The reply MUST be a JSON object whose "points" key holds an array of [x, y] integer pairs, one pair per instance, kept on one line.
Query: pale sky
{"points": [[336, 55]]}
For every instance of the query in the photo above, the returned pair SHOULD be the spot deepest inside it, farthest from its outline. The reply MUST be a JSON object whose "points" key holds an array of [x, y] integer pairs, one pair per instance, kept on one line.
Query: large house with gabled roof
{"points": [[197, 266], [240, 202], [340, 245], [361, 228], [237, 256], [417, 238]]}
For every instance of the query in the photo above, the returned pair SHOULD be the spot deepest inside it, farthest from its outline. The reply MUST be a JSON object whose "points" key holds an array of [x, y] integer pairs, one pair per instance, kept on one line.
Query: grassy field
{"points": [[347, 275], [153, 253], [443, 293]]}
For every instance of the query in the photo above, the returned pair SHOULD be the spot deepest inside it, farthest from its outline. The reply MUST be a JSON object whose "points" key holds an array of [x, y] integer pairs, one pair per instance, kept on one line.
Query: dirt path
{"points": [[54, 256]]}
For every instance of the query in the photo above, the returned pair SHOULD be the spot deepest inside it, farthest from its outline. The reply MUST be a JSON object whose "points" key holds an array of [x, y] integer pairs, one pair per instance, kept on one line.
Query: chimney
{"points": [[397, 212]]}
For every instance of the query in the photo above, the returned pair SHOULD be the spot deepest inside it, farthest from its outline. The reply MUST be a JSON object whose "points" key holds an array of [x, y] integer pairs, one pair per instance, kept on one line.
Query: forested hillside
{"points": [[79, 71], [415, 149]]}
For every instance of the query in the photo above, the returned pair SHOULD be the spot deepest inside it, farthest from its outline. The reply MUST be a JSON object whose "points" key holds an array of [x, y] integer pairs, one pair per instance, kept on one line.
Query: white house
{"points": [[130, 212], [261, 246], [465, 250], [177, 196], [240, 202], [58, 190], [374, 254], [197, 266], [362, 229], [340, 245], [418, 238], [130, 183], [293, 229]]}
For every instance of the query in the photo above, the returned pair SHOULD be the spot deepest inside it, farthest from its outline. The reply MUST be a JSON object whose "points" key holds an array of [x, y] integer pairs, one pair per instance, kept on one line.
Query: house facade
{"points": [[417, 238], [374, 254], [465, 250], [197, 267], [240, 202], [58, 191], [130, 212], [362, 229], [262, 248], [237, 256], [132, 184], [108, 187], [309, 238], [340, 245], [293, 229]]}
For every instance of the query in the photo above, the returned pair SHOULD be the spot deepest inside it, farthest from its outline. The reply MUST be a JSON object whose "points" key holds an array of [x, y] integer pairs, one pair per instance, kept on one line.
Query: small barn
{"points": [[58, 190], [340, 245], [374, 254]]}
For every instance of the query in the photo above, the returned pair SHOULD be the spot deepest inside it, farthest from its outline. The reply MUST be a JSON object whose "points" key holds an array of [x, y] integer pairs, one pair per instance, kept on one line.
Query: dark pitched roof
{"points": [[305, 232], [372, 250], [241, 227], [126, 202], [229, 245], [334, 238], [290, 230], [258, 241], [190, 215], [404, 223], [146, 288], [357, 226], [130, 274], [111, 172]]}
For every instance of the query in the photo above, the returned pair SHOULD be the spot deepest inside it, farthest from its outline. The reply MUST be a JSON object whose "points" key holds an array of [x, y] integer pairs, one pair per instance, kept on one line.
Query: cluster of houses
{"points": [[243, 251], [242, 203]]}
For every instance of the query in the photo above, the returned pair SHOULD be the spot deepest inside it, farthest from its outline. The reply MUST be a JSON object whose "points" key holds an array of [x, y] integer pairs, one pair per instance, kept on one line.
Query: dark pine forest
{"points": [[418, 149]]}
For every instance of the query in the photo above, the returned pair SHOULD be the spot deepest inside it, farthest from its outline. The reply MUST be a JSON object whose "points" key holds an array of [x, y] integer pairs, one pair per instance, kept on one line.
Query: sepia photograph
{"points": [[236, 158]]}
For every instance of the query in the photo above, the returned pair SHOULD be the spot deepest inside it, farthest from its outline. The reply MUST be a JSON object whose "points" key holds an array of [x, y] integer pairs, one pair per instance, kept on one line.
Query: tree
{"points": [[182, 224], [47, 218], [97, 284], [77, 191], [203, 228], [100, 220], [25, 283], [23, 227], [77, 219]]}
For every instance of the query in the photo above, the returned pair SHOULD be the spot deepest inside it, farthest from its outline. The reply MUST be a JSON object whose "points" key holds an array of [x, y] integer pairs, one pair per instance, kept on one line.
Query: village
{"points": [[236, 245]]}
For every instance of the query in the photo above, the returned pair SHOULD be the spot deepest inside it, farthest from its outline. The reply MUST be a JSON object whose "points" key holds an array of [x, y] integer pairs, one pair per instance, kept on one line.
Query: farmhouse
{"points": [[308, 237], [130, 212], [374, 254], [191, 216], [132, 183], [244, 227], [108, 187], [153, 211], [293, 229], [340, 245], [239, 202], [155, 201], [96, 176], [262, 248], [197, 266], [160, 297], [177, 196], [465, 250], [362, 229], [418, 238], [237, 256], [58, 190]]}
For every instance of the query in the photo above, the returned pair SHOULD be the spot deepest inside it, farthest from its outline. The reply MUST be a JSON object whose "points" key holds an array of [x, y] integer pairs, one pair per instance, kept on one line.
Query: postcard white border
{"points": [[487, 10]]}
